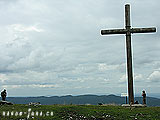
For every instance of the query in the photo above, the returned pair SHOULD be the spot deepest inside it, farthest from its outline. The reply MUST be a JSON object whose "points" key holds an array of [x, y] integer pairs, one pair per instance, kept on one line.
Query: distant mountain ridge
{"points": [[80, 99]]}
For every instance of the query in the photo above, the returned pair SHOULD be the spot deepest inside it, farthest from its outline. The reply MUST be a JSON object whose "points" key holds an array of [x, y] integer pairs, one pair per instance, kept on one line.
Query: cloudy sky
{"points": [[54, 47]]}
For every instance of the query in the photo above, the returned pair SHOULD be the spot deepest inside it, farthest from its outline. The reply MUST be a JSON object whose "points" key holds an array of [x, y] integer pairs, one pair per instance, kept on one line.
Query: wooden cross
{"points": [[128, 30]]}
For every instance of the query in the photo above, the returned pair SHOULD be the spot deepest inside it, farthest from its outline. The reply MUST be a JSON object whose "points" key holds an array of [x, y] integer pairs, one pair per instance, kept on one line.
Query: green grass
{"points": [[78, 112]]}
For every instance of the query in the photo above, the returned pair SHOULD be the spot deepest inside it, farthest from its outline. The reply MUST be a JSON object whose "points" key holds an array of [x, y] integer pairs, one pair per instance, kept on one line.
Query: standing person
{"points": [[3, 95], [144, 97]]}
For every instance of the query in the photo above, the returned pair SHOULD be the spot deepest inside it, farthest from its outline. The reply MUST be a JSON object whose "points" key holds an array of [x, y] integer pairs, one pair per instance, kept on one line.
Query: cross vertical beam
{"points": [[129, 55]]}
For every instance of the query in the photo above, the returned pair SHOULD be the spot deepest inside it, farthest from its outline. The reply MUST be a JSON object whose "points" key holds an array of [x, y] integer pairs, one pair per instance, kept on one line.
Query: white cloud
{"points": [[3, 78], [123, 79], [105, 81], [104, 67], [31, 86], [138, 77], [78, 80], [154, 77], [23, 28]]}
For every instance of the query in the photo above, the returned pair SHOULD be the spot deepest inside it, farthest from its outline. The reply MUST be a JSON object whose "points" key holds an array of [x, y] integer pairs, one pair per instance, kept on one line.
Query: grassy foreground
{"points": [[77, 112]]}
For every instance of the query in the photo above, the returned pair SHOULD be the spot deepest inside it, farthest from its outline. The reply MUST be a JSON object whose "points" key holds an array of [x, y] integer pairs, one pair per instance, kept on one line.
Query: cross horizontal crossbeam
{"points": [[124, 31]]}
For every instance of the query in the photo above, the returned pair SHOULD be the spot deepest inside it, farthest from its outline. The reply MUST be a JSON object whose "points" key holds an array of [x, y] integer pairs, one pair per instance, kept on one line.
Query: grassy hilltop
{"points": [[77, 112]]}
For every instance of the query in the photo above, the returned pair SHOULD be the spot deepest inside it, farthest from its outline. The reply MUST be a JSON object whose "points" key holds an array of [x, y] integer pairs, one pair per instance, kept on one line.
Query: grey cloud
{"points": [[59, 43]]}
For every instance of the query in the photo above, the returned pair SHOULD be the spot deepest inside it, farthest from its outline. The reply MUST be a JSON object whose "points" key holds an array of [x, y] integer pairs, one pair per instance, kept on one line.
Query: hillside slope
{"points": [[81, 99]]}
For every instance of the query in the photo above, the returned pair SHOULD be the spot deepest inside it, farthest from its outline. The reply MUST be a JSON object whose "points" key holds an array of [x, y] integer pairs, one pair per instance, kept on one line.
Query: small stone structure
{"points": [[5, 103]]}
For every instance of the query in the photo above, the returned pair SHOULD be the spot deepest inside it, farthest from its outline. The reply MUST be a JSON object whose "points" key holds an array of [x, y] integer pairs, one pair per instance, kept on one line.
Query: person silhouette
{"points": [[3, 95], [144, 97]]}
